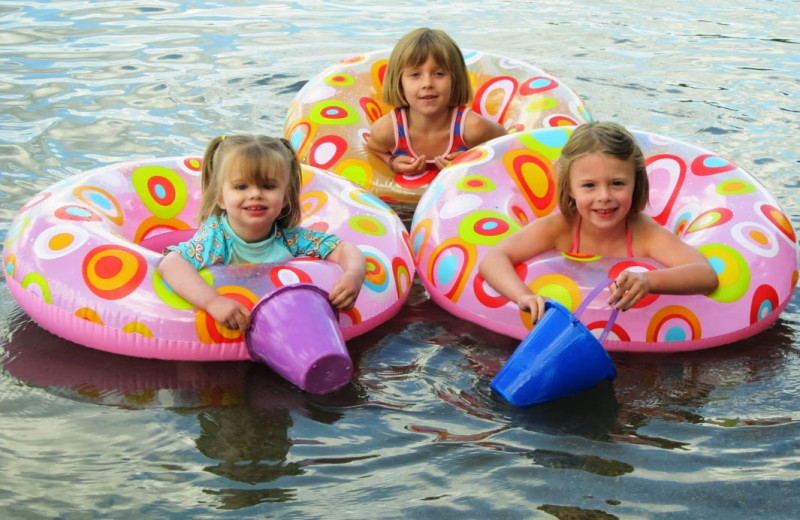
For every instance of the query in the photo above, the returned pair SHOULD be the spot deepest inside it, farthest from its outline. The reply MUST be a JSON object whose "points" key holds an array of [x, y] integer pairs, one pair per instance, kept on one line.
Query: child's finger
{"points": [[339, 297], [244, 319], [540, 306]]}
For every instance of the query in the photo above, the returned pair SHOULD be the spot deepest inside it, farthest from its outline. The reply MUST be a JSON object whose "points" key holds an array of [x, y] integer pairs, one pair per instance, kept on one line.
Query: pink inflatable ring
{"points": [[705, 199], [80, 258], [330, 116]]}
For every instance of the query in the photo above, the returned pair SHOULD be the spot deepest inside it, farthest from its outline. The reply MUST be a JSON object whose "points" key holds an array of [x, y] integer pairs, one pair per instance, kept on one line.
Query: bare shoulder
{"points": [[653, 240], [647, 233], [478, 129], [381, 138], [538, 236], [645, 228], [557, 230]]}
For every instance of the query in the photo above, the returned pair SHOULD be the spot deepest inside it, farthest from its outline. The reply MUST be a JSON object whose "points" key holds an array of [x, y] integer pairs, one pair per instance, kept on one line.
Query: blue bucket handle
{"points": [[591, 296]]}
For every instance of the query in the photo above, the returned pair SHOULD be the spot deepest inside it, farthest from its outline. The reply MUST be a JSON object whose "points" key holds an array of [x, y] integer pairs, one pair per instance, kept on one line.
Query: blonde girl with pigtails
{"points": [[249, 213]]}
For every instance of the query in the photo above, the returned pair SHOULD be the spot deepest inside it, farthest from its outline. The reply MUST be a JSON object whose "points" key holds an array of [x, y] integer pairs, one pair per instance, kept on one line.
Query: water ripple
{"points": [[418, 433]]}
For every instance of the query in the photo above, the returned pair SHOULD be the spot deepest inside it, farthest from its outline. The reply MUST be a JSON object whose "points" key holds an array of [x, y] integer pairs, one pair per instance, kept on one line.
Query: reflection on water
{"points": [[418, 433], [36, 357]]}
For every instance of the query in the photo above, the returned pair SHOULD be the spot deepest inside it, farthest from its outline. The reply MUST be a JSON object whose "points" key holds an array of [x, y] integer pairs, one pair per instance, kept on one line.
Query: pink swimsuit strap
{"points": [[576, 242]]}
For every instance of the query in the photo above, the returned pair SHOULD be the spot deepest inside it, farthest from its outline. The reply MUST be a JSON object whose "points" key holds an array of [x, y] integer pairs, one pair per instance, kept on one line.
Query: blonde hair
{"points": [[261, 158], [609, 139], [414, 49]]}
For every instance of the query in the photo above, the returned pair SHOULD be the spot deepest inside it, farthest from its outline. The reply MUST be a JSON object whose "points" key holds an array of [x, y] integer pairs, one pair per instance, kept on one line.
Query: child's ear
{"points": [[220, 202]]}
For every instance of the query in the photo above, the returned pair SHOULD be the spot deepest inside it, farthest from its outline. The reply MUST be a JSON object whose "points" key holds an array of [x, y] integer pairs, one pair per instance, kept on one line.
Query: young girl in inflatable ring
{"points": [[603, 188], [249, 212], [427, 80]]}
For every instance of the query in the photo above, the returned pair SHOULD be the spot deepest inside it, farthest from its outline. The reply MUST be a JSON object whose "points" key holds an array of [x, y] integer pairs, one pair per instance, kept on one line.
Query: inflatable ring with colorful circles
{"points": [[330, 117], [707, 200], [81, 259]]}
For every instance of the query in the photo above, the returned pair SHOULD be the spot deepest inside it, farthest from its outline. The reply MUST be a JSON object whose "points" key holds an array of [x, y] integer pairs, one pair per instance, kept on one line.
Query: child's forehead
{"points": [[428, 60], [239, 168], [600, 164]]}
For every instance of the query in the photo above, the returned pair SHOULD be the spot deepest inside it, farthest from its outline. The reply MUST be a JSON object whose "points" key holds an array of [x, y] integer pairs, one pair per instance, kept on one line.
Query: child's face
{"points": [[602, 187], [252, 208], [427, 87]]}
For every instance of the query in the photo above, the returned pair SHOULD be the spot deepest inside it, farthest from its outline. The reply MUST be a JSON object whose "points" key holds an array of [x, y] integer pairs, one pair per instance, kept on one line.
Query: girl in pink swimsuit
{"points": [[602, 191], [427, 80]]}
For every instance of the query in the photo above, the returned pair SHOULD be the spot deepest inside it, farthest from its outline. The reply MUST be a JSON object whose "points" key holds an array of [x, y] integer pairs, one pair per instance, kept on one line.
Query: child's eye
{"points": [[240, 187]]}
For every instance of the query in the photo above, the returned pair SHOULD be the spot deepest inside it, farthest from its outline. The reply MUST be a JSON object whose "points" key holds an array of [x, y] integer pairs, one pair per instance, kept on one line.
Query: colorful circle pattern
{"points": [[329, 119], [119, 302], [705, 199]]}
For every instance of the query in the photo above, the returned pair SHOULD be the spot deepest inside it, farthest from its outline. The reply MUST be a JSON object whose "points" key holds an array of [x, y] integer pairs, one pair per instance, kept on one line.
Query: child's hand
{"points": [[229, 312], [534, 304], [345, 291], [407, 165], [629, 289], [443, 161]]}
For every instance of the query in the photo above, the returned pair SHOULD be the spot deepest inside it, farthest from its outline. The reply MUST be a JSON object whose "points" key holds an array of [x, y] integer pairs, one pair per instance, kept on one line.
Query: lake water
{"points": [[418, 434]]}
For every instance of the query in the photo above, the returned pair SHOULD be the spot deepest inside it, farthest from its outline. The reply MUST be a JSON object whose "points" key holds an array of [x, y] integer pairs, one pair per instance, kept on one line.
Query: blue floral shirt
{"points": [[216, 243]]}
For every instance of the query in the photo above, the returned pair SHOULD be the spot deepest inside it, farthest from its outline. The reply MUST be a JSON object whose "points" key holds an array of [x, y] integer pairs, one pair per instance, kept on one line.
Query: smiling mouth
{"points": [[605, 212]]}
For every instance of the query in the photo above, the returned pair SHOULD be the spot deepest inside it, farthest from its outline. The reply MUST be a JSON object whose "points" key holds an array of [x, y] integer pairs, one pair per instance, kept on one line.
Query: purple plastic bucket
{"points": [[558, 358], [295, 331]]}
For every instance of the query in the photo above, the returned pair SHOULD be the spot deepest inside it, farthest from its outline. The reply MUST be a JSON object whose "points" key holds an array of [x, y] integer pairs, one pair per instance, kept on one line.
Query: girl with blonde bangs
{"points": [[603, 190], [261, 159], [609, 139], [428, 83], [249, 213]]}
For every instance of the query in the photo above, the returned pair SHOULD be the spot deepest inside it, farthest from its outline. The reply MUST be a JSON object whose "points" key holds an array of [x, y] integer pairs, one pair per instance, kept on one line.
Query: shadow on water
{"points": [[245, 412], [677, 386], [646, 383], [673, 387], [250, 441], [38, 358]]}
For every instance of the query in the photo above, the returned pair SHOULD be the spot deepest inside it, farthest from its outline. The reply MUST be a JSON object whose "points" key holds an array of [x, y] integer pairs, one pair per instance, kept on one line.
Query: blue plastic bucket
{"points": [[558, 358]]}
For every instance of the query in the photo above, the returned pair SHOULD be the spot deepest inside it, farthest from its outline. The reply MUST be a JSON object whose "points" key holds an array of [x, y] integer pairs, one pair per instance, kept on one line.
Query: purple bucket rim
{"points": [[292, 286]]}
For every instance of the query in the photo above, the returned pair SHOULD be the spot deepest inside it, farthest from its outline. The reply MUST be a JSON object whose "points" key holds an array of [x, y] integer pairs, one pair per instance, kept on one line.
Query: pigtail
{"points": [[209, 162], [259, 157], [209, 181]]}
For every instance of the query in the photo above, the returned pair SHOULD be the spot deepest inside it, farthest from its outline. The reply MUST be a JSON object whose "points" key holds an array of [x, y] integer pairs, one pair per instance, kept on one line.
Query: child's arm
{"points": [[497, 267], [186, 282], [687, 270], [381, 138], [381, 143], [350, 258]]}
